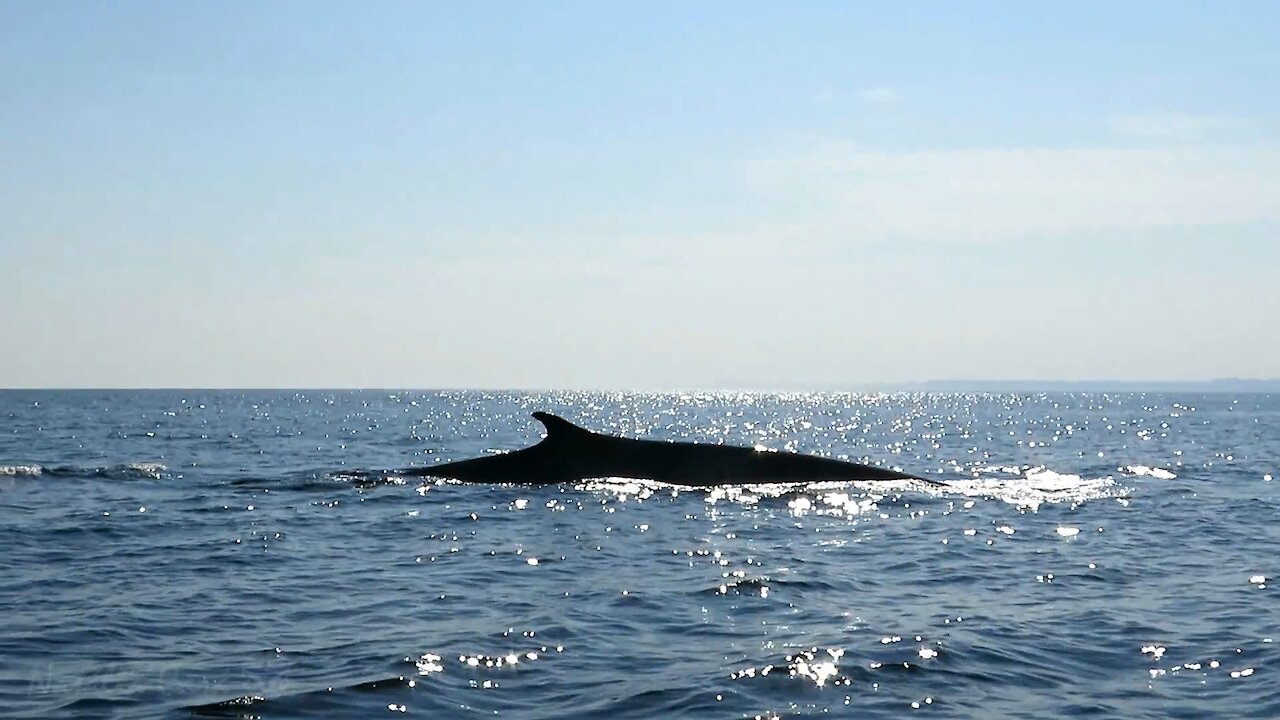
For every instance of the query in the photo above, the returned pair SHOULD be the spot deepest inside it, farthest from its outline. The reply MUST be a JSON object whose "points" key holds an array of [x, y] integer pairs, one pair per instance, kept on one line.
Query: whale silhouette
{"points": [[570, 453]]}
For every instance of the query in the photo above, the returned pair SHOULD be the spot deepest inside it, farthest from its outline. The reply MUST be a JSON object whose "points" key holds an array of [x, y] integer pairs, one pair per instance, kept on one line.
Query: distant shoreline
{"points": [[1214, 385]]}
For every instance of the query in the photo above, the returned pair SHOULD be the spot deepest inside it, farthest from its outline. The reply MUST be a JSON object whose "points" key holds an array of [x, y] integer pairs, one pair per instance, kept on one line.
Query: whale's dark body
{"points": [[570, 453]]}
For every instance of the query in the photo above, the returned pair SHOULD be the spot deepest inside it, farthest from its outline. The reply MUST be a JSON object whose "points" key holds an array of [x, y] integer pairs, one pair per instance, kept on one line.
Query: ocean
{"points": [[235, 554]]}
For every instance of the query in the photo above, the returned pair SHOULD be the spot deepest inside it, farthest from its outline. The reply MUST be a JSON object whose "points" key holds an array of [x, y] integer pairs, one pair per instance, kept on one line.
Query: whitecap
{"points": [[1155, 472], [149, 469], [21, 470]]}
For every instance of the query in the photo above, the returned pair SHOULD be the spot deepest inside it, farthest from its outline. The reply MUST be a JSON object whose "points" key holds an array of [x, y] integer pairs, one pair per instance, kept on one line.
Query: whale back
{"points": [[570, 453]]}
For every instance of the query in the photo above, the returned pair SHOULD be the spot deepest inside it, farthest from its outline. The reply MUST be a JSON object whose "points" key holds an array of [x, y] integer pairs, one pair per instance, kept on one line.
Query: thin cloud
{"points": [[880, 96], [992, 194], [1175, 125]]}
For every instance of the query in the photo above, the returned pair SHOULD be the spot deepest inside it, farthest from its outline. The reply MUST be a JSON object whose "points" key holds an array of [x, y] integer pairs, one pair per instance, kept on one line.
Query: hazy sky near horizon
{"points": [[645, 195]]}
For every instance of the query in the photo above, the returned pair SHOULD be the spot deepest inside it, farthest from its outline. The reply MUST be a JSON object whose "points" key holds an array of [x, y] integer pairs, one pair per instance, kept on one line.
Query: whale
{"points": [[570, 453]]}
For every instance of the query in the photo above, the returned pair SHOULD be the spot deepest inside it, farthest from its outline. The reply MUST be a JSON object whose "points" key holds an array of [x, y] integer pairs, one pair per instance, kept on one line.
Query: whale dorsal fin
{"points": [[559, 428]]}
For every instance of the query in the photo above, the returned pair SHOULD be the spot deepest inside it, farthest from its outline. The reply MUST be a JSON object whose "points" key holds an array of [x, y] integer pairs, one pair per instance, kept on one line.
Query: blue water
{"points": [[229, 554]]}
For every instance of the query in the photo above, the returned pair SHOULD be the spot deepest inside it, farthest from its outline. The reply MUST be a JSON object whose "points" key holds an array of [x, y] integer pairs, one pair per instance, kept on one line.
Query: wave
{"points": [[238, 707], [470, 671], [1155, 472], [1030, 487], [323, 480], [124, 471], [819, 666], [1027, 487], [12, 470]]}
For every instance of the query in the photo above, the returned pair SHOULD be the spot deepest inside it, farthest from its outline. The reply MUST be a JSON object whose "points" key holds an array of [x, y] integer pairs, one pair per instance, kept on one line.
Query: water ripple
{"points": [[238, 554]]}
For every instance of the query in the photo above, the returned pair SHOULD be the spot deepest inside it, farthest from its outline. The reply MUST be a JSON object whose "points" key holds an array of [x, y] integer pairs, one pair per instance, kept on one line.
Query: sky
{"points": [[636, 196]]}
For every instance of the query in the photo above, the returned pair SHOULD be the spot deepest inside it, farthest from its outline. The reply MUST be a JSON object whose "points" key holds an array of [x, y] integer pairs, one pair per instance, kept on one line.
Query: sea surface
{"points": [[236, 554]]}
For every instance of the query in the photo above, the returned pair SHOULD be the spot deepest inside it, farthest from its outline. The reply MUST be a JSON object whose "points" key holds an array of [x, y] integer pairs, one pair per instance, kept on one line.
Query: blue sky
{"points": [[648, 196]]}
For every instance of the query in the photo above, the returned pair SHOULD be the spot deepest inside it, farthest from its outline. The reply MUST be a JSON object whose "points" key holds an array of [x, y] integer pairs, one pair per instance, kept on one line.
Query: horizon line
{"points": [[956, 384]]}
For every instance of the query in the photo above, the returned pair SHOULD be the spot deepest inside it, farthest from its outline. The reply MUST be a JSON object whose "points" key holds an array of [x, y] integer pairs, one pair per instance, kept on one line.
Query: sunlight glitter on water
{"points": [[1032, 487], [429, 663], [818, 666], [1155, 472], [663, 590], [1030, 490]]}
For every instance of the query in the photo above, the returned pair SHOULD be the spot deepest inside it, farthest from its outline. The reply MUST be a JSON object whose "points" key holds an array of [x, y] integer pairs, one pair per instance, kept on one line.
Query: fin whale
{"points": [[570, 453]]}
